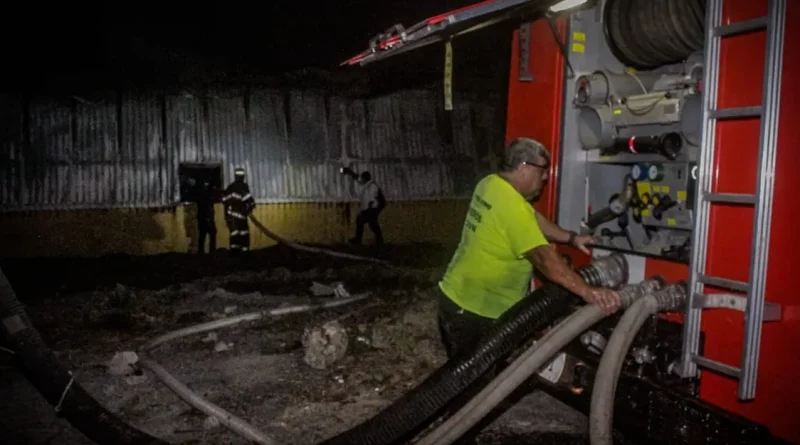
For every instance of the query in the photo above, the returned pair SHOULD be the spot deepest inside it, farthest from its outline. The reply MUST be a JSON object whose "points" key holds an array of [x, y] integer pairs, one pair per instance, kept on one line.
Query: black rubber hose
{"points": [[41, 367], [647, 34], [403, 418]]}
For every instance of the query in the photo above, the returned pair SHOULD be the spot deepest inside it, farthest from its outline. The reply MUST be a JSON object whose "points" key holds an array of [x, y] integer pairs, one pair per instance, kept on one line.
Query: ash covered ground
{"points": [[264, 371]]}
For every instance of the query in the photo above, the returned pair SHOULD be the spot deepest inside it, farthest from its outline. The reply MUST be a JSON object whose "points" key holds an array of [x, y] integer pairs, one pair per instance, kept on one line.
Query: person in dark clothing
{"points": [[372, 203], [205, 218], [239, 203]]}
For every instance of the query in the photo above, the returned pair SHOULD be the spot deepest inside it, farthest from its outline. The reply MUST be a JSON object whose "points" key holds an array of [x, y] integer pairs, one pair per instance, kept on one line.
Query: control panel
{"points": [[630, 149], [664, 195]]}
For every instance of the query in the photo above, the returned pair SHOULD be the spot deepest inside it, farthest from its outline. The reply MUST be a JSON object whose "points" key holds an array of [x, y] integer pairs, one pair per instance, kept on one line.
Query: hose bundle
{"points": [[647, 34], [404, 417], [530, 361]]}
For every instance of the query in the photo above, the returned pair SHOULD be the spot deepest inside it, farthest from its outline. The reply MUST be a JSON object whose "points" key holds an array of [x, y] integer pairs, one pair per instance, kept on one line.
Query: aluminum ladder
{"points": [[756, 311]]}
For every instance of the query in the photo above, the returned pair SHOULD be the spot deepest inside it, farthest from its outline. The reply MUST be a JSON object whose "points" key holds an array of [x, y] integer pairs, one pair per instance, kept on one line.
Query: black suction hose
{"points": [[56, 384], [647, 34], [403, 418]]}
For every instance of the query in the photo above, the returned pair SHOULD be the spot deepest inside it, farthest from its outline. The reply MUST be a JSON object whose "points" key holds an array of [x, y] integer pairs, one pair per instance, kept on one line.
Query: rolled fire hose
{"points": [[41, 367], [317, 250], [225, 418], [601, 414], [527, 364]]}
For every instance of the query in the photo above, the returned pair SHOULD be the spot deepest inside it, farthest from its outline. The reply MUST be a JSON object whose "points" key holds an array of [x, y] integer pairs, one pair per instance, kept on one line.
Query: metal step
{"points": [[724, 283], [730, 198], [722, 368], [771, 312], [736, 113], [741, 27]]}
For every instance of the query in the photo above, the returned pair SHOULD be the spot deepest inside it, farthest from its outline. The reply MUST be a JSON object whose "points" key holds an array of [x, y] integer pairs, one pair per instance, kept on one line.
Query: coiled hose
{"points": [[528, 363], [55, 383], [647, 34], [601, 414], [404, 417]]}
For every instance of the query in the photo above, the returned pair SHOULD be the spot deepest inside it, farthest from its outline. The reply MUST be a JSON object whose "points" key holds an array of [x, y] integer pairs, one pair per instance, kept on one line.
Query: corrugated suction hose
{"points": [[403, 418], [647, 34], [55, 383]]}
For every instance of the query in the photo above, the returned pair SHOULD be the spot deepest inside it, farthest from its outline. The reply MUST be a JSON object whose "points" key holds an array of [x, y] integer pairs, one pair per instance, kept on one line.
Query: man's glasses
{"points": [[542, 166]]}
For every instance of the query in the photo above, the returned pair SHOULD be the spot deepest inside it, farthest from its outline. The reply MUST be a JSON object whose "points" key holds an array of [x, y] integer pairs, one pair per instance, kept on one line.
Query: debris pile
{"points": [[324, 345]]}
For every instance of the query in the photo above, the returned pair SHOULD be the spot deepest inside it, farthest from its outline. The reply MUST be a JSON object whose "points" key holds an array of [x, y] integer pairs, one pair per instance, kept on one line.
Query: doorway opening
{"points": [[193, 176]]}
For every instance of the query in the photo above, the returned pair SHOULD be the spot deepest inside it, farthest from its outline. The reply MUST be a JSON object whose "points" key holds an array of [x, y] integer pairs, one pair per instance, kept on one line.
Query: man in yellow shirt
{"points": [[502, 241]]}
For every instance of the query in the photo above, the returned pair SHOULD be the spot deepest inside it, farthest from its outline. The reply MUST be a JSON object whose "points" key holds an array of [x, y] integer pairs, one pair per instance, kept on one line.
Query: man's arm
{"points": [[546, 260], [556, 234], [551, 231]]}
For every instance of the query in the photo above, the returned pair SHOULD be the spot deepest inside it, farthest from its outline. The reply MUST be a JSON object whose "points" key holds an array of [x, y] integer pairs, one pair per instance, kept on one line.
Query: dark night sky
{"points": [[280, 36]]}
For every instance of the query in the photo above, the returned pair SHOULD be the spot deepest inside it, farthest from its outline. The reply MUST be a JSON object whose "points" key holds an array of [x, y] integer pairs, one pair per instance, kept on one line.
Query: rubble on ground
{"points": [[299, 378], [324, 345]]}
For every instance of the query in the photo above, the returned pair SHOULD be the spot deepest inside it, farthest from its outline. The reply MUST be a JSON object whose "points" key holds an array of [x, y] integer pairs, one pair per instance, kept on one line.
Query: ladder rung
{"points": [[725, 283], [733, 113], [741, 27], [731, 198], [719, 367], [772, 311]]}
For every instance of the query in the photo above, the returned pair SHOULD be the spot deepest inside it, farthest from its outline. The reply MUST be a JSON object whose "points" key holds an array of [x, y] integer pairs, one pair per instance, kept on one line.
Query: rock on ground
{"points": [[324, 345]]}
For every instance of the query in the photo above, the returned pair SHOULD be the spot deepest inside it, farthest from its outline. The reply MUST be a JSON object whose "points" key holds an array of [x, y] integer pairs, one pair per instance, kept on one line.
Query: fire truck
{"points": [[671, 126]]}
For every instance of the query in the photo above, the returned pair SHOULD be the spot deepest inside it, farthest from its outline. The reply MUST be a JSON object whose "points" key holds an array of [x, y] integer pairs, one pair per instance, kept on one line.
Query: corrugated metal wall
{"points": [[124, 149]]}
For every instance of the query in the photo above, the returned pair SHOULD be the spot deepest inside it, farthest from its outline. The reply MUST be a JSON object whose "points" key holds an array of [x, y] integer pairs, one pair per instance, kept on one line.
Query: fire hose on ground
{"points": [[415, 409], [235, 424], [394, 423], [601, 414], [57, 385], [301, 247], [410, 412], [528, 363]]}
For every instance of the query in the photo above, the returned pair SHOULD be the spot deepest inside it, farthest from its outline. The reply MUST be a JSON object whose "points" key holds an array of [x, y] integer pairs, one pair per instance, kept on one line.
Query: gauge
{"points": [[636, 171], [639, 172], [655, 172]]}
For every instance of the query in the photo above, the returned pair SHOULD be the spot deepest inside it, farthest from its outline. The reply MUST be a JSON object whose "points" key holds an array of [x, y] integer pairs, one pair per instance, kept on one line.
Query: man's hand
{"points": [[581, 241], [606, 299]]}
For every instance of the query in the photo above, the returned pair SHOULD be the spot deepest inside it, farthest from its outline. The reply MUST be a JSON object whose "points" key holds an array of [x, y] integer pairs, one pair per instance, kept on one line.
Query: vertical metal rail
{"points": [[693, 315], [754, 305], [768, 141]]}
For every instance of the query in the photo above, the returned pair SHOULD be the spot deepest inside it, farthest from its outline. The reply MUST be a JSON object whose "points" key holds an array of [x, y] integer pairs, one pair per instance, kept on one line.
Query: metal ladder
{"points": [[756, 311]]}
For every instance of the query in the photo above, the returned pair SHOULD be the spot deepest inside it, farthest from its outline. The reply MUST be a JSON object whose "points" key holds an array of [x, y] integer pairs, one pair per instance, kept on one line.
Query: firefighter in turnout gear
{"points": [[239, 203]]}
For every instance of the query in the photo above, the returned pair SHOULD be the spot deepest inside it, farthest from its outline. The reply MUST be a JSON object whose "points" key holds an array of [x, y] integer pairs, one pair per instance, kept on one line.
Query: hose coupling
{"points": [[611, 271], [672, 297], [630, 293]]}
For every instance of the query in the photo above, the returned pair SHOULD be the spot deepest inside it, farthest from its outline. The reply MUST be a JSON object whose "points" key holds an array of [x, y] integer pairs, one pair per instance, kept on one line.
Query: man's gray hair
{"points": [[522, 150]]}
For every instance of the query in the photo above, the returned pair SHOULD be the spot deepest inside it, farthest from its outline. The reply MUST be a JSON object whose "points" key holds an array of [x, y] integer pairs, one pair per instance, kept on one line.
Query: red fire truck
{"points": [[671, 126]]}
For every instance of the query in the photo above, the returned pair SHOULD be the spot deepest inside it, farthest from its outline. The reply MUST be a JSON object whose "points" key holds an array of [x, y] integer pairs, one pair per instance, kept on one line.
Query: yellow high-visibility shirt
{"points": [[489, 272]]}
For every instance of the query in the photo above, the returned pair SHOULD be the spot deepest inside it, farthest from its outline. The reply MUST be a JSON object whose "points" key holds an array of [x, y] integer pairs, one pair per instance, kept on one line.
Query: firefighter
{"points": [[239, 203], [206, 226], [372, 203], [503, 240]]}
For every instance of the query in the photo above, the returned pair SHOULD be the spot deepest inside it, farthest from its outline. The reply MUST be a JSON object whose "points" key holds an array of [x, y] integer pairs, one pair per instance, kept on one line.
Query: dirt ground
{"points": [[91, 309]]}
